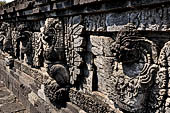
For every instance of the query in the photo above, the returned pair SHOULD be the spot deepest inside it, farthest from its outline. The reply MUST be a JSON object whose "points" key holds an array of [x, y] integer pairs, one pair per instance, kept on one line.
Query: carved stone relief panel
{"points": [[95, 22], [15, 43], [135, 68], [6, 43], [37, 45], [159, 94], [74, 46], [101, 47], [2, 37], [153, 19], [51, 43]]}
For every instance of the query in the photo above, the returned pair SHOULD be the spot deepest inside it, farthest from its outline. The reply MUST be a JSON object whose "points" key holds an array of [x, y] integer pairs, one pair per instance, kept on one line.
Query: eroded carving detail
{"points": [[160, 90], [25, 41], [53, 41], [15, 43], [74, 43], [6, 44], [2, 37], [135, 68], [37, 45], [7, 41], [57, 87]]}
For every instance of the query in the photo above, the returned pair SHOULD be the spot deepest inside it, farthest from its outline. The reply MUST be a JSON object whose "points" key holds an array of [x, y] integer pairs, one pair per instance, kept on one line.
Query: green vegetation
{"points": [[2, 2]]}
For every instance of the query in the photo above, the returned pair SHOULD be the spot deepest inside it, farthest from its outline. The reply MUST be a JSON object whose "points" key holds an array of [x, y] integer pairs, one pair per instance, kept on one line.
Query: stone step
{"points": [[13, 108], [1, 84], [6, 96], [8, 101], [66, 110], [73, 107]]}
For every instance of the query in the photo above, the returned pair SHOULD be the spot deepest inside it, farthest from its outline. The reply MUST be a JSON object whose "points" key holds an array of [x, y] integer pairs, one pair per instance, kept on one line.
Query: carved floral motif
{"points": [[37, 46]]}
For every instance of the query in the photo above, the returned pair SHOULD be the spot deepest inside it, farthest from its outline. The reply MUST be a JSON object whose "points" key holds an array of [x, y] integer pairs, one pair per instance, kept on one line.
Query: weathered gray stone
{"points": [[115, 55]]}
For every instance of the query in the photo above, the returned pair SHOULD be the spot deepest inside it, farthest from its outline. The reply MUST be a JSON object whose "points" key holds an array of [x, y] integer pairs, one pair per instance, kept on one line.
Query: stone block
{"points": [[17, 64], [26, 69], [116, 21], [15, 88], [24, 101], [13, 108], [33, 109]]}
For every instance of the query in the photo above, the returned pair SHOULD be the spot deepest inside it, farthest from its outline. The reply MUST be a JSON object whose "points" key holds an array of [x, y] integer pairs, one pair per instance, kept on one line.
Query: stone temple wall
{"points": [[94, 56]]}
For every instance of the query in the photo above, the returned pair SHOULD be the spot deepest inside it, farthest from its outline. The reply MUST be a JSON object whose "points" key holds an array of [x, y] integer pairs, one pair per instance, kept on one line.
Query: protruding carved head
{"points": [[57, 88], [60, 74], [54, 39], [135, 66], [50, 28]]}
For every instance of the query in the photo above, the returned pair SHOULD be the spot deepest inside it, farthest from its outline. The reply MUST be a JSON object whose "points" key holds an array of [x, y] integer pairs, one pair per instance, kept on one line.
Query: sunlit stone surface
{"points": [[85, 56]]}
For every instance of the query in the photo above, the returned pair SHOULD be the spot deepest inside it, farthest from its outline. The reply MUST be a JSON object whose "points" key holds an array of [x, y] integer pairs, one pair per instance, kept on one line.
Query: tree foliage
{"points": [[2, 2]]}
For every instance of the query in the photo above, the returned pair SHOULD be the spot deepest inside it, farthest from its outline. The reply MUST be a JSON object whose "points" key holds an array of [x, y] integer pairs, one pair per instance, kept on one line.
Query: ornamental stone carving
{"points": [[159, 94], [37, 45], [6, 37], [53, 41], [6, 43], [98, 56], [135, 68], [57, 87], [2, 37], [24, 40], [74, 47]]}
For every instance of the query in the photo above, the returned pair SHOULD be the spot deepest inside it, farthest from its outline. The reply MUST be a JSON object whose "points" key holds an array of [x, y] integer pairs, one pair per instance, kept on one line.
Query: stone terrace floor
{"points": [[9, 102]]}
